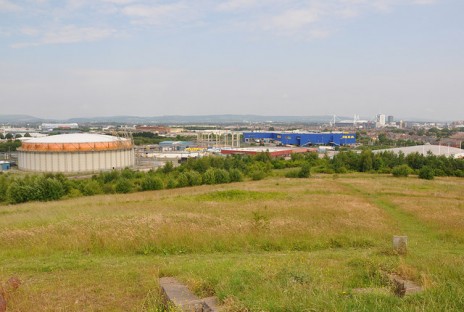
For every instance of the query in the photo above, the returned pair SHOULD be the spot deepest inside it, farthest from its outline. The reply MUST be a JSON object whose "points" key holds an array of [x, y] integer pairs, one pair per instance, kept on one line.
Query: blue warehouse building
{"points": [[302, 138]]}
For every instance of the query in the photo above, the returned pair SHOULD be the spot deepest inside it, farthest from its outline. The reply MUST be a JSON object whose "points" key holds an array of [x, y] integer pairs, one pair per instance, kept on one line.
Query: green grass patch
{"points": [[272, 245], [240, 195]]}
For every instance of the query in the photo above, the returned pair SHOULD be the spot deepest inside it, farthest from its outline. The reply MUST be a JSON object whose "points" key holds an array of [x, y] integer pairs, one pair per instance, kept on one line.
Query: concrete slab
{"points": [[180, 296], [403, 287]]}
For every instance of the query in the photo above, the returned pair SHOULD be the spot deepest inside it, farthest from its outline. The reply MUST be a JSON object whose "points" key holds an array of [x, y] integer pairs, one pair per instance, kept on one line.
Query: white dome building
{"points": [[78, 152]]}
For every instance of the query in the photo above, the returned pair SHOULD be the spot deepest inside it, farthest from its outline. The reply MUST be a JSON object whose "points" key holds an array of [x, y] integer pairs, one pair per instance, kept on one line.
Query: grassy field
{"points": [[273, 245]]}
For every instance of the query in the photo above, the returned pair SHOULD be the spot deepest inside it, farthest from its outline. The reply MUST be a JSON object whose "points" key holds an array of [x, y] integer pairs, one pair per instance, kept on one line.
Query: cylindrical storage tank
{"points": [[75, 153]]}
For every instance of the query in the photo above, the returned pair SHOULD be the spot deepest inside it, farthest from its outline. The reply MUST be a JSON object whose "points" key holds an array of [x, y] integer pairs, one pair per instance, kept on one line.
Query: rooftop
{"points": [[425, 149], [75, 138]]}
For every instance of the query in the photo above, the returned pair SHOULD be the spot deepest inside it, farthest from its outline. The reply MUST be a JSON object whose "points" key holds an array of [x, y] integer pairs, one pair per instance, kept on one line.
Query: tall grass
{"points": [[273, 245]]}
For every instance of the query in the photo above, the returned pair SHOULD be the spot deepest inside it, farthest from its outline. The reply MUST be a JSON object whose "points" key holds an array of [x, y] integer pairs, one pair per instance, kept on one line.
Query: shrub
{"points": [[292, 174], [305, 171], [168, 167], [221, 176], [108, 188], [123, 186], [48, 189], [150, 183], [171, 183], [182, 180], [426, 173], [235, 175], [73, 193], [3, 187], [19, 192], [209, 176], [258, 175], [194, 178], [401, 171], [90, 187]]}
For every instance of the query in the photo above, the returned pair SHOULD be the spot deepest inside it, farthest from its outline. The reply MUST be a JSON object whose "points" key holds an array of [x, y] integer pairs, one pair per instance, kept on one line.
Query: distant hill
{"points": [[19, 119], [179, 119]]}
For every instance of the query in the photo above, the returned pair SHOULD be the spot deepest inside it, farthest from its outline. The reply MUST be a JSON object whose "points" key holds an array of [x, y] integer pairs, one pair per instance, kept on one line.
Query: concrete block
{"points": [[400, 244], [180, 296], [403, 287]]}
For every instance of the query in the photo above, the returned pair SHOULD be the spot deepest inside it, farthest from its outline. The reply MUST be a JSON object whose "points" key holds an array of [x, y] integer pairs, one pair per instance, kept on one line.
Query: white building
{"points": [[78, 152], [380, 121]]}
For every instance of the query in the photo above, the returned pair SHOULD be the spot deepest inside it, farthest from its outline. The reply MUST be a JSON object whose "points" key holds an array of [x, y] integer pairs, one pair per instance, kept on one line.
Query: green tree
{"points": [[90, 187], [235, 175], [124, 185], [401, 171], [209, 176], [305, 171], [194, 178], [182, 180], [151, 183], [48, 189], [426, 173], [366, 163]]}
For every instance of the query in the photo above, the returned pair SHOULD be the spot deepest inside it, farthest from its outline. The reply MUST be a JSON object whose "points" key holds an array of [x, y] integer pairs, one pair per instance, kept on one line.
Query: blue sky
{"points": [[72, 58]]}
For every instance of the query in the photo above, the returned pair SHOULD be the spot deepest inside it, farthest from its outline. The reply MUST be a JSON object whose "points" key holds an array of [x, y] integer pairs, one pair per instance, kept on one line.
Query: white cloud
{"points": [[295, 19], [309, 18], [120, 2], [29, 31], [232, 5], [8, 6], [425, 1], [69, 34], [152, 12]]}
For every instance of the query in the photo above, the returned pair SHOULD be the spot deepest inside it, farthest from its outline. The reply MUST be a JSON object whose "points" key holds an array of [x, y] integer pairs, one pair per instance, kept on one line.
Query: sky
{"points": [[87, 58]]}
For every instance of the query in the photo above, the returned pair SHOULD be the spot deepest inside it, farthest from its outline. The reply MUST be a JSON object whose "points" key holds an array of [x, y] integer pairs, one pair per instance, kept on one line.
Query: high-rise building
{"points": [[380, 122], [390, 119]]}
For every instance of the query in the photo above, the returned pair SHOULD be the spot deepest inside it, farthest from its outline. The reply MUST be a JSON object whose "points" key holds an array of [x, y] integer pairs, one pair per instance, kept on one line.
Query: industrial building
{"points": [[437, 150], [273, 151], [5, 165], [301, 138], [61, 126], [78, 152], [168, 146]]}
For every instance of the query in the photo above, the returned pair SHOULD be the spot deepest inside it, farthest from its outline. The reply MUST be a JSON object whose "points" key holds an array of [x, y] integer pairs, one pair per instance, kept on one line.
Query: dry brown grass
{"points": [[106, 252]]}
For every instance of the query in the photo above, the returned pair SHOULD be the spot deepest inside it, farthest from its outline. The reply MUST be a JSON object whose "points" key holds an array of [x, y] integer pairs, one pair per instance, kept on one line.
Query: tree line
{"points": [[217, 170]]}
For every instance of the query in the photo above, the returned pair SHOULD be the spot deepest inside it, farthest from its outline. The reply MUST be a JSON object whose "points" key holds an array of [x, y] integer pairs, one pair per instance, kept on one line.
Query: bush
{"points": [[401, 171], [150, 183], [182, 180], [209, 176], [235, 175], [426, 173], [90, 187], [171, 183], [48, 189], [123, 186], [168, 167], [258, 175], [305, 171], [194, 178], [221, 176], [19, 192], [109, 176], [292, 174]]}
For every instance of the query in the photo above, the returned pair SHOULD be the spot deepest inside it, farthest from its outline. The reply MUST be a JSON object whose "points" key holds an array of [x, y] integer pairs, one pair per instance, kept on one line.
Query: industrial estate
{"points": [[95, 147], [231, 216]]}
